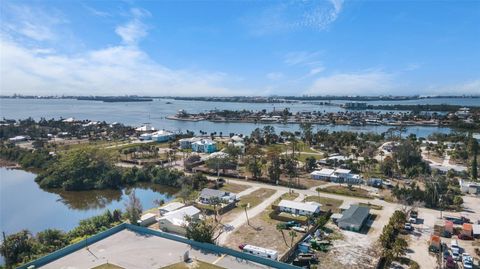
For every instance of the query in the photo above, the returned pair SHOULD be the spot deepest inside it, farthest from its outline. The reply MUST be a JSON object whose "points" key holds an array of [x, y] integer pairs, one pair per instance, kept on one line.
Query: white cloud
{"points": [[135, 29], [302, 58], [364, 83], [30, 22], [294, 15], [274, 76], [315, 71]]}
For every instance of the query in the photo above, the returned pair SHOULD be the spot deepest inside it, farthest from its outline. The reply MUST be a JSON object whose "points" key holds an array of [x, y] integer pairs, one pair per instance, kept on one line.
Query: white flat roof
{"points": [[259, 249], [172, 206], [147, 216], [299, 205], [323, 172], [342, 171]]}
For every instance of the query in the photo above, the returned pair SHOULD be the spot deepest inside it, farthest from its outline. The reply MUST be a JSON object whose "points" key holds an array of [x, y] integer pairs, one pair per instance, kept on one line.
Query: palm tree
{"points": [[292, 234], [280, 228], [245, 206]]}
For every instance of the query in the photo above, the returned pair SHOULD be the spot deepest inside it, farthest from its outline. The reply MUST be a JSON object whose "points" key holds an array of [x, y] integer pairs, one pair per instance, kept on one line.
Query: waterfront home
{"points": [[207, 195], [147, 219], [174, 221], [205, 146], [354, 218], [236, 139], [186, 143], [162, 136], [239, 145], [299, 208], [145, 128], [170, 207]]}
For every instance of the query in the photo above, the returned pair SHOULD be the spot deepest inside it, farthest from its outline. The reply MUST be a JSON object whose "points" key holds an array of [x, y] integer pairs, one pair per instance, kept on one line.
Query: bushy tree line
{"points": [[393, 246], [24, 246]]}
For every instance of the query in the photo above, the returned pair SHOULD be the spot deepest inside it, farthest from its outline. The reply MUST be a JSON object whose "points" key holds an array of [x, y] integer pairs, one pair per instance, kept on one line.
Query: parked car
{"points": [[241, 246], [412, 220], [446, 254], [299, 229], [413, 214], [467, 261], [450, 263], [408, 227], [464, 237]]}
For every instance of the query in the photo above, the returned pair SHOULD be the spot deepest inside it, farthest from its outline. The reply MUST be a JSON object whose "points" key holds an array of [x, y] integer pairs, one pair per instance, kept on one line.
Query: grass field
{"points": [[347, 191], [107, 266], [327, 203], [235, 188]]}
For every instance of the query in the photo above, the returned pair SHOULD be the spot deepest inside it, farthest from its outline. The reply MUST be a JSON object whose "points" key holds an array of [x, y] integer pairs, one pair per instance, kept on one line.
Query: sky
{"points": [[240, 47]]}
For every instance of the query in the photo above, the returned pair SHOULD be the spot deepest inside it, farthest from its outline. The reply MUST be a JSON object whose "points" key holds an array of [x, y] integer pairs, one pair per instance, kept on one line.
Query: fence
{"points": [[142, 230]]}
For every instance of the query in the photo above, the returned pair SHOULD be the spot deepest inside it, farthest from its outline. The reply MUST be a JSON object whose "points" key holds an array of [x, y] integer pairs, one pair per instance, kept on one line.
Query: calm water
{"points": [[155, 112], [24, 205]]}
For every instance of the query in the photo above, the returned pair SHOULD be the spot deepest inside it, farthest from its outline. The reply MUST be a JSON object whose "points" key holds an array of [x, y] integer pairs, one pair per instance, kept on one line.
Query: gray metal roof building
{"points": [[354, 218]]}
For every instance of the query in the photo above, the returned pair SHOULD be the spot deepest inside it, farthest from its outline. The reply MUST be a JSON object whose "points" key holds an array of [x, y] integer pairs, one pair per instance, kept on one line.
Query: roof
{"points": [[299, 205], [259, 249], [172, 206], [209, 193], [323, 172], [336, 216], [435, 238], [236, 138], [147, 216], [476, 229], [177, 217], [342, 171], [162, 133], [355, 215], [467, 226], [204, 142]]}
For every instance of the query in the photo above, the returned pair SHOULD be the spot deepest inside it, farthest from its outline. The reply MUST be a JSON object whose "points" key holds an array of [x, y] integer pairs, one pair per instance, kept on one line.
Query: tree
{"points": [[51, 240], [458, 201], [215, 202], [245, 207], [307, 132], [399, 247], [17, 248], [133, 208], [185, 193], [310, 164], [280, 227], [254, 161], [290, 167], [274, 170], [292, 234], [203, 230]]}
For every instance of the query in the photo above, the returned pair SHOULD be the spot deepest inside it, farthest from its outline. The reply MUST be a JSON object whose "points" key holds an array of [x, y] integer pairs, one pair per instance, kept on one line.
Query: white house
{"points": [[469, 187], [323, 174], [261, 252], [18, 138], [174, 221], [162, 136], [170, 207], [147, 219], [337, 175], [225, 197], [145, 128], [299, 208]]}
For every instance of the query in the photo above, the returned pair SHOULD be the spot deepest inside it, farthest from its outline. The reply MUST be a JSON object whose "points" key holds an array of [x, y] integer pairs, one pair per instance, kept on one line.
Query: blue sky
{"points": [[330, 47]]}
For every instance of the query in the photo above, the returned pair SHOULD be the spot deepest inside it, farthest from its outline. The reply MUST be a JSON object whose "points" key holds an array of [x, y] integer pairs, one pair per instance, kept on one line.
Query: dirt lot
{"points": [[344, 190], [235, 188], [253, 199], [351, 250]]}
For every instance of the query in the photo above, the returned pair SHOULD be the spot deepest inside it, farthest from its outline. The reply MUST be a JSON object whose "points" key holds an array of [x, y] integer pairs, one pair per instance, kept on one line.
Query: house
{"points": [[239, 145], [147, 219], [145, 128], [186, 143], [469, 187], [299, 208], [174, 221], [208, 194], [162, 136], [337, 175], [170, 207], [236, 139], [205, 146], [323, 174], [18, 138], [354, 218]]}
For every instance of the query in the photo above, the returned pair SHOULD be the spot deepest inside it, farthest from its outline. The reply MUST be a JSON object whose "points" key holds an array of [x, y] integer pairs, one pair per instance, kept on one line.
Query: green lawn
{"points": [[235, 188], [256, 197], [372, 206], [344, 190], [327, 203]]}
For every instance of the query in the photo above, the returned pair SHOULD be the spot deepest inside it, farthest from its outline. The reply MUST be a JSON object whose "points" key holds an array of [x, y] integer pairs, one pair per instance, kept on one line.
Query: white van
{"points": [[454, 244]]}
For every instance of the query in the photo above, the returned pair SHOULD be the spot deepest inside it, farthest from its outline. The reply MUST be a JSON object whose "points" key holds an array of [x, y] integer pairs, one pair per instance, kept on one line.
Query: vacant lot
{"points": [[347, 191], [327, 203], [235, 188], [253, 199]]}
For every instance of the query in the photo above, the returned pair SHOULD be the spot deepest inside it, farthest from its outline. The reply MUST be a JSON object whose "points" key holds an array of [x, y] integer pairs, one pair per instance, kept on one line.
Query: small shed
{"points": [[476, 230], [435, 242], [467, 229], [147, 219]]}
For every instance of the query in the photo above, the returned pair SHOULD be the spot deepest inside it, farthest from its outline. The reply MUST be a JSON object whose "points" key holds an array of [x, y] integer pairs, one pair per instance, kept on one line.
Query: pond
{"points": [[24, 205]]}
